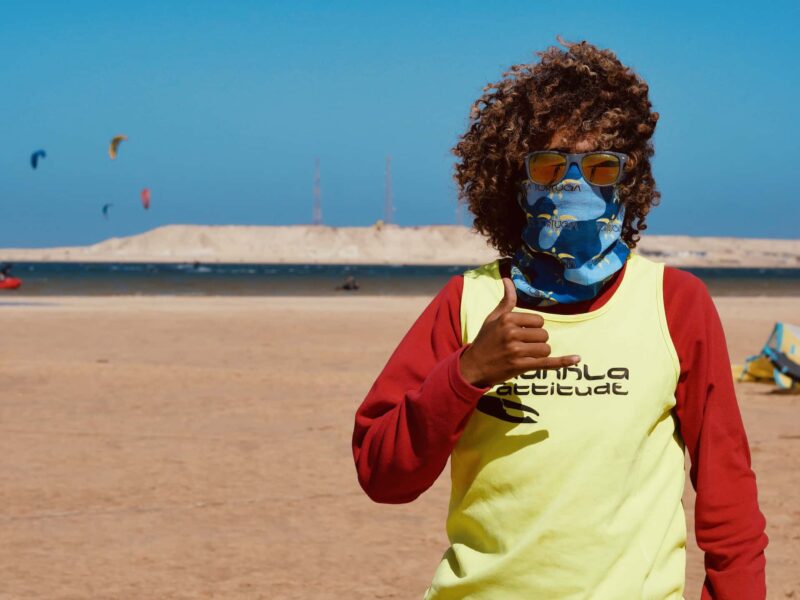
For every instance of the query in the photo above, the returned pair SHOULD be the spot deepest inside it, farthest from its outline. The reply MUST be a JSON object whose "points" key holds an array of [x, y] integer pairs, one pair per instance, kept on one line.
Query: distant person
{"points": [[5, 271], [349, 284], [565, 380]]}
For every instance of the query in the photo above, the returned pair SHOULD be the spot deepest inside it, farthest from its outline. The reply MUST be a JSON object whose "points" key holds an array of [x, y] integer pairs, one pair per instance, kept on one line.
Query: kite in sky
{"points": [[36, 156], [146, 198], [114, 145]]}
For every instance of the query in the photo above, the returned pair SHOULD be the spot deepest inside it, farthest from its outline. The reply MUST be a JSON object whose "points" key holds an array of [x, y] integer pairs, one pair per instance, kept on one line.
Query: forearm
{"points": [[417, 407], [729, 526], [403, 450]]}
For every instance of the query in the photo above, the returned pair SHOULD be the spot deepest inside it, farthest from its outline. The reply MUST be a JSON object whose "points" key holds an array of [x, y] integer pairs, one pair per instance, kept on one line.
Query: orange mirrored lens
{"points": [[600, 169], [546, 168]]}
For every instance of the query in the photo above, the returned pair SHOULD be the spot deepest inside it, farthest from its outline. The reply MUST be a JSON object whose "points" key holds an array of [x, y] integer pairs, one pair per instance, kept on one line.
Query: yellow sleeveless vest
{"points": [[567, 483]]}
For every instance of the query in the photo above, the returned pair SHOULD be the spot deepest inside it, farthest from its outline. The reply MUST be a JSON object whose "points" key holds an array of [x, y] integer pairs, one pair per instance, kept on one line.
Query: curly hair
{"points": [[580, 89]]}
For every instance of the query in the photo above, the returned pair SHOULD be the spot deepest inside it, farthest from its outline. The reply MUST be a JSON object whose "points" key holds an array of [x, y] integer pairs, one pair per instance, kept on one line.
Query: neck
{"points": [[605, 293]]}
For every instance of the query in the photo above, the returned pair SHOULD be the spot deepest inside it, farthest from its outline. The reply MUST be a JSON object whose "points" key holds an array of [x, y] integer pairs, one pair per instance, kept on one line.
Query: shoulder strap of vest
{"points": [[490, 270]]}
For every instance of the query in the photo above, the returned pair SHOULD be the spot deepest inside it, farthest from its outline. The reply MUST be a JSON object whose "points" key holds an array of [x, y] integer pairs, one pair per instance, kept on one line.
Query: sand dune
{"points": [[389, 244]]}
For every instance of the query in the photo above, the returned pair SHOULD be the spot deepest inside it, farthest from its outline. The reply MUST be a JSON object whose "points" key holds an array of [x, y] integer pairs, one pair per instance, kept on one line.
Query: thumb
{"points": [[508, 302]]}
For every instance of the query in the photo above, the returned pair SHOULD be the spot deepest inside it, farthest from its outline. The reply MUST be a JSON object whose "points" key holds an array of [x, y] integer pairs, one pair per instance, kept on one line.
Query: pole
{"points": [[388, 208], [317, 210]]}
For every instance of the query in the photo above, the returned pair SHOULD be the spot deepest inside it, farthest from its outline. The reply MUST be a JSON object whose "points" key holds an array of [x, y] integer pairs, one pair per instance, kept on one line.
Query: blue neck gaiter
{"points": [[571, 243]]}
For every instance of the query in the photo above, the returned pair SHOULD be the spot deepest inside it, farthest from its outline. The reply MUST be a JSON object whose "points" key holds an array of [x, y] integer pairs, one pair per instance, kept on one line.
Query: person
{"points": [[5, 271], [565, 380], [349, 284]]}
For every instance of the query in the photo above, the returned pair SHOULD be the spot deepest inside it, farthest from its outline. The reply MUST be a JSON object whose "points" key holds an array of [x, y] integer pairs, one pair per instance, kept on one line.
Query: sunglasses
{"points": [[548, 167]]}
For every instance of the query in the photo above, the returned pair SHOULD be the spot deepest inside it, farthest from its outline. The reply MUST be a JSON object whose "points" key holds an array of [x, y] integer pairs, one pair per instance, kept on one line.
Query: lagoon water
{"points": [[79, 279]]}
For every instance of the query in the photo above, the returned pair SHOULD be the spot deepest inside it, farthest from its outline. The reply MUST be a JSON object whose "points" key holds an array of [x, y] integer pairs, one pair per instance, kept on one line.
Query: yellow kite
{"points": [[115, 142]]}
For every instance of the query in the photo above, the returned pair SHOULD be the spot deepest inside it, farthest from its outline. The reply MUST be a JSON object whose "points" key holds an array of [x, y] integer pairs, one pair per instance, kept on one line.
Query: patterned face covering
{"points": [[572, 242]]}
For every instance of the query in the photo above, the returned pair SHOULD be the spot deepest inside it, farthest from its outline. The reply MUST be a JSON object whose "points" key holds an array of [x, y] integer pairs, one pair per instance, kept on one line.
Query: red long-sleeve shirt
{"points": [[417, 408]]}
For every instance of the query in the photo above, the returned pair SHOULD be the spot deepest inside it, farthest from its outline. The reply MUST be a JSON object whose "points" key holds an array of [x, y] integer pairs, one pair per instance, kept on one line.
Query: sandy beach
{"points": [[172, 448]]}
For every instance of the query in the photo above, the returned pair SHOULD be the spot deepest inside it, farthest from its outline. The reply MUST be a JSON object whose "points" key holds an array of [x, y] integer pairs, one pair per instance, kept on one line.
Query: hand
{"points": [[509, 344]]}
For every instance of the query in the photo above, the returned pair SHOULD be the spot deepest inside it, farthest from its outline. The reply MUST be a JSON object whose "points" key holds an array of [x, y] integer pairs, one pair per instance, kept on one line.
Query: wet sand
{"points": [[200, 448]]}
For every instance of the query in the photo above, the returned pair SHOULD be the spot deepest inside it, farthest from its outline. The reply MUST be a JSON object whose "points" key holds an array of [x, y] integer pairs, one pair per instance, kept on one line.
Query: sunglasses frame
{"points": [[577, 158]]}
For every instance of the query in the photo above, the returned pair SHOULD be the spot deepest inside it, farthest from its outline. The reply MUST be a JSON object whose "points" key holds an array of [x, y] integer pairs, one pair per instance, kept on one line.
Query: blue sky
{"points": [[227, 104]]}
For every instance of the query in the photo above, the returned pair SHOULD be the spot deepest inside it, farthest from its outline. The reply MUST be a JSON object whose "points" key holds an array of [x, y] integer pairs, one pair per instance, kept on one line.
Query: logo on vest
{"points": [[564, 382]]}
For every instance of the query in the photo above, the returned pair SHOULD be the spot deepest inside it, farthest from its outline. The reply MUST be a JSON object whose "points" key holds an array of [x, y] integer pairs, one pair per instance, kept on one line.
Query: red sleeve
{"points": [[418, 406], [728, 523]]}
